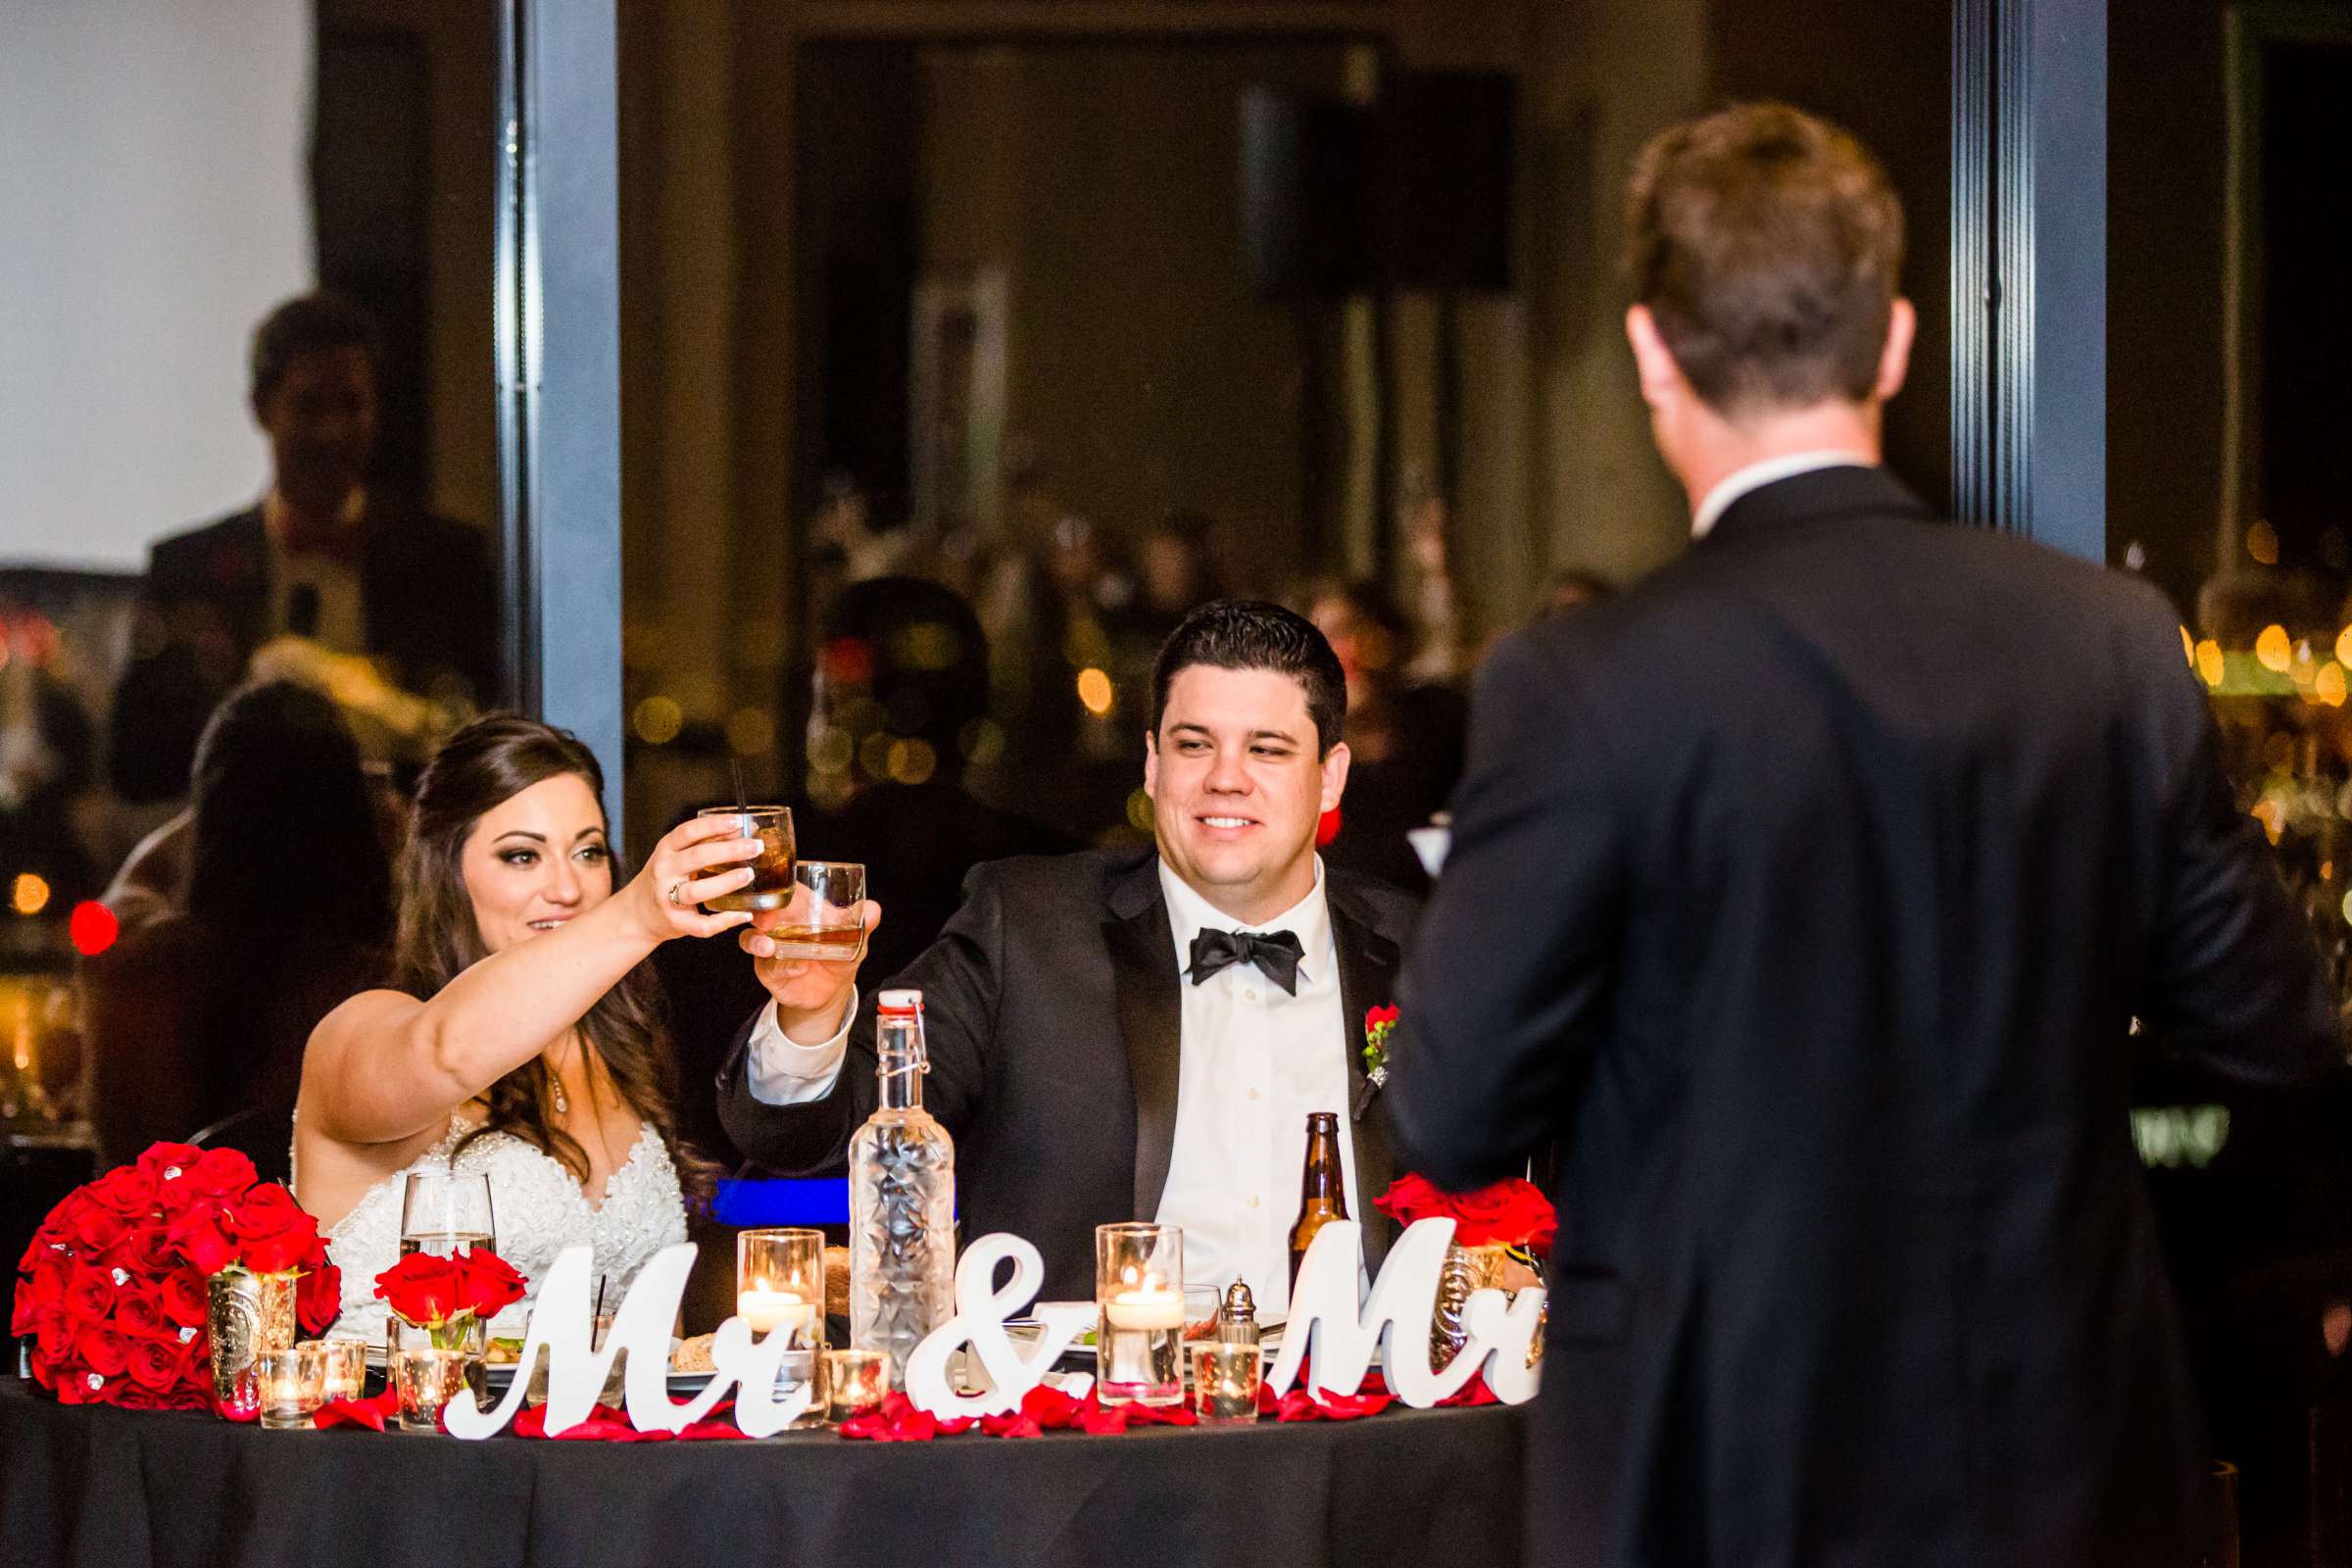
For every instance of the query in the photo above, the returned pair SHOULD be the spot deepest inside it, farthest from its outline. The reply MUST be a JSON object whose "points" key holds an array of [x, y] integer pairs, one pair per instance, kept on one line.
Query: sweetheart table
{"points": [[96, 1488]]}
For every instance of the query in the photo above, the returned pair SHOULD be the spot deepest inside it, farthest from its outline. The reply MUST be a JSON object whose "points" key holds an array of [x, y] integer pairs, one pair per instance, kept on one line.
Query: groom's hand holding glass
{"points": [[813, 996]]}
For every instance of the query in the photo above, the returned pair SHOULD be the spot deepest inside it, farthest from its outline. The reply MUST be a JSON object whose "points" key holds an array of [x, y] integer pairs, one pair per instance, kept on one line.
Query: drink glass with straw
{"points": [[770, 887]]}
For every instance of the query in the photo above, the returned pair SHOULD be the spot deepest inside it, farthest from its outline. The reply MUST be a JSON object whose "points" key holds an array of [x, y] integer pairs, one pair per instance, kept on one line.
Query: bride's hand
{"points": [[699, 859]]}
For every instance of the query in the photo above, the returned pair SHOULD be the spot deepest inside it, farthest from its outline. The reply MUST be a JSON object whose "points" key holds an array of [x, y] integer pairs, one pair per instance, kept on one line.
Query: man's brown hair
{"points": [[1765, 243]]}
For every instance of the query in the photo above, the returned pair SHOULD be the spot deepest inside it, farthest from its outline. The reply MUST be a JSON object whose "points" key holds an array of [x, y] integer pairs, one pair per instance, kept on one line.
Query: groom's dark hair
{"points": [[1251, 634]]}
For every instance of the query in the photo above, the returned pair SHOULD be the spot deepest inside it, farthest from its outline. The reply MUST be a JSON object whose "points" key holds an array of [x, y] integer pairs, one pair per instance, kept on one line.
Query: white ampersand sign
{"points": [[981, 1308]]}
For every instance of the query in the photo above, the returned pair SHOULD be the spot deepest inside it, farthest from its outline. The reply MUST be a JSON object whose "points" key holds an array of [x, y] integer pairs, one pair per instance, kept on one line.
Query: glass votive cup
{"points": [[1138, 1294], [343, 1367], [1225, 1379], [855, 1381], [781, 1289], [423, 1380], [293, 1385], [1200, 1305]]}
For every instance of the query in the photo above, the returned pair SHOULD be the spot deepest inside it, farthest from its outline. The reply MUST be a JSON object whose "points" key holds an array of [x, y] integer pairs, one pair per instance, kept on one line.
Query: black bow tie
{"points": [[1275, 953]]}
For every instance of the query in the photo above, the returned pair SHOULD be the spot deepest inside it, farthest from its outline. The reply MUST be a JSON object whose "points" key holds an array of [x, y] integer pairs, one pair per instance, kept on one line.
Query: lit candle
{"points": [[766, 1311], [1146, 1306]]}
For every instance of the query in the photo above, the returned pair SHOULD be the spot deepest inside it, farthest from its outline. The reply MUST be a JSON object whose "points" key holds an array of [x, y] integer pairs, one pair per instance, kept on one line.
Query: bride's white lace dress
{"points": [[539, 1210]]}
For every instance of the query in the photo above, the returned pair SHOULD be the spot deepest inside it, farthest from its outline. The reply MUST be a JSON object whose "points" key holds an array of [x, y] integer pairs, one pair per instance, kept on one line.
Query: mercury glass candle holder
{"points": [[855, 1381], [424, 1380], [781, 1289], [1138, 1291], [1225, 1379], [345, 1367], [292, 1383]]}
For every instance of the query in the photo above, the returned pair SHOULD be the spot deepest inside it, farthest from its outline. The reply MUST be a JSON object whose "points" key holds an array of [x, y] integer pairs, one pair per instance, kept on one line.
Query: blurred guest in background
{"points": [[1407, 735], [1429, 556], [199, 1012], [48, 759], [324, 558], [1811, 915]]}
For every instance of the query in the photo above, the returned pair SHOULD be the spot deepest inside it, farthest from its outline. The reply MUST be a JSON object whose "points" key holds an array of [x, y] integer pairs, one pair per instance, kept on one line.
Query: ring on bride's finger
{"points": [[674, 895]]}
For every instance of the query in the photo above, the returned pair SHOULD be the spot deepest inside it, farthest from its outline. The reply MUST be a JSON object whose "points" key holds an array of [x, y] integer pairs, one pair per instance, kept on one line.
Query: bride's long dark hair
{"points": [[489, 761]]}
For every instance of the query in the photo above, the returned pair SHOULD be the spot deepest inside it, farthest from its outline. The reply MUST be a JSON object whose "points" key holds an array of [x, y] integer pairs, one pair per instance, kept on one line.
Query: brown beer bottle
{"points": [[1322, 1186]]}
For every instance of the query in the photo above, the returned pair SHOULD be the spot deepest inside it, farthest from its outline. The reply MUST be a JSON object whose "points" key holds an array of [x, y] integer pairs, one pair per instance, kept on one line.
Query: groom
{"points": [[1120, 1035]]}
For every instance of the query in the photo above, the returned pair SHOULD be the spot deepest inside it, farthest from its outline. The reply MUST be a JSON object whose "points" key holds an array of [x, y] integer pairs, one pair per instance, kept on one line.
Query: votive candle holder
{"points": [[1225, 1382], [292, 1383]]}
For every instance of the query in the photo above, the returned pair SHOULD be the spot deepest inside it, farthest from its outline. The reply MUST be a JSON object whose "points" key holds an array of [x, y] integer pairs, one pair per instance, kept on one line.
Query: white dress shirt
{"points": [[341, 621], [1756, 475], [1253, 1063]]}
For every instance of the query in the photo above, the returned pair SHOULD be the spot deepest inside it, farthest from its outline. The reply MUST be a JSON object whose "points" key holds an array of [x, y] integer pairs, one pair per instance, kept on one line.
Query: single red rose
{"points": [[139, 1311], [101, 1348], [488, 1283], [425, 1290], [97, 1227], [1374, 1017], [165, 1162], [315, 1257], [53, 1338], [285, 1251], [185, 1298], [203, 1242], [155, 1366], [26, 1316], [150, 1249], [1513, 1212], [192, 1397], [79, 1386], [265, 1212], [89, 1296], [319, 1298], [1412, 1198], [126, 1190], [222, 1173]]}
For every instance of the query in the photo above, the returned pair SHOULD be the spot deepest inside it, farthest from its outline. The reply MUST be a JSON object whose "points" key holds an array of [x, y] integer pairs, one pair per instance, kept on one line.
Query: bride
{"points": [[523, 1040]]}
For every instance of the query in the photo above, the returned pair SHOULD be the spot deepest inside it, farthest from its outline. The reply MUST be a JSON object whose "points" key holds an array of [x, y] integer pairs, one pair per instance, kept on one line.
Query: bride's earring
{"points": [[563, 1103]]}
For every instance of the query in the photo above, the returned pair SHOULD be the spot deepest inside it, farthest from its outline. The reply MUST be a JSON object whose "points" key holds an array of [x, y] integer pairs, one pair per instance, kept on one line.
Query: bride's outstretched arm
{"points": [[385, 1066]]}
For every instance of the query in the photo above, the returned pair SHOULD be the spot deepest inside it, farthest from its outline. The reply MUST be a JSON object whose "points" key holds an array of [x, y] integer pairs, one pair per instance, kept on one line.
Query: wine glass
{"points": [[444, 1212]]}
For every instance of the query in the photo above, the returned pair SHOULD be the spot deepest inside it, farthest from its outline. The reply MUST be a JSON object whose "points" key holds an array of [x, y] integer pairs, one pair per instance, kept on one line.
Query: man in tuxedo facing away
{"points": [[1806, 893], [1119, 1035], [324, 557]]}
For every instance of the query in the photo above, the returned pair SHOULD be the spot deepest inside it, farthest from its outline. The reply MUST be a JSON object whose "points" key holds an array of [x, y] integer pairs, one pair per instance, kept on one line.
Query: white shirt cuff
{"points": [[781, 1071]]}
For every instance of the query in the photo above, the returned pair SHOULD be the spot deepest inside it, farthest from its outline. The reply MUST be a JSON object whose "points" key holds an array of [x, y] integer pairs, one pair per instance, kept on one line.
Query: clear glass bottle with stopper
{"points": [[902, 1200]]}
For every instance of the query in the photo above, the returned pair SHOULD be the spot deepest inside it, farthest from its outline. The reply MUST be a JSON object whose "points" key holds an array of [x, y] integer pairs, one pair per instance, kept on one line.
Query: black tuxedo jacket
{"points": [[1806, 893], [1052, 1018], [427, 595]]}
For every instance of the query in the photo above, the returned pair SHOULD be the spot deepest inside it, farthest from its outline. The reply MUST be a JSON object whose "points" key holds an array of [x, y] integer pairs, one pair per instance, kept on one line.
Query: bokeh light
{"points": [[1094, 690], [92, 929], [2273, 650], [659, 720], [30, 895]]}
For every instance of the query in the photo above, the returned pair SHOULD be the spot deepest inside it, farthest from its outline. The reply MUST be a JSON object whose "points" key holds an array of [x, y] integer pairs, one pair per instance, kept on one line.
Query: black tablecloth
{"points": [[118, 1489]]}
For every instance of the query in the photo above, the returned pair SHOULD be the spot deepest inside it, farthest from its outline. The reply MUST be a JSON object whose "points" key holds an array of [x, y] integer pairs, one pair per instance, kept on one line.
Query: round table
{"points": [[123, 1489]]}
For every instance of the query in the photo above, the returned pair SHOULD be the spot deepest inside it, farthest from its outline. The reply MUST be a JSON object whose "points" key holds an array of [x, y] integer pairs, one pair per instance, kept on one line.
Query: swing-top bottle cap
{"points": [[902, 1001]]}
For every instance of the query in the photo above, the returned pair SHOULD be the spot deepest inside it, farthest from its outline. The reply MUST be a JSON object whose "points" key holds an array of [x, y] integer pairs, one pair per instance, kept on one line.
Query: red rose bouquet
{"points": [[112, 1291], [1512, 1213], [446, 1296]]}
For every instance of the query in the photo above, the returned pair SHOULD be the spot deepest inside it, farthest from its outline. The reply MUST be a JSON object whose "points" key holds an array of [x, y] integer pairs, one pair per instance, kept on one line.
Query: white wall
{"points": [[152, 207]]}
